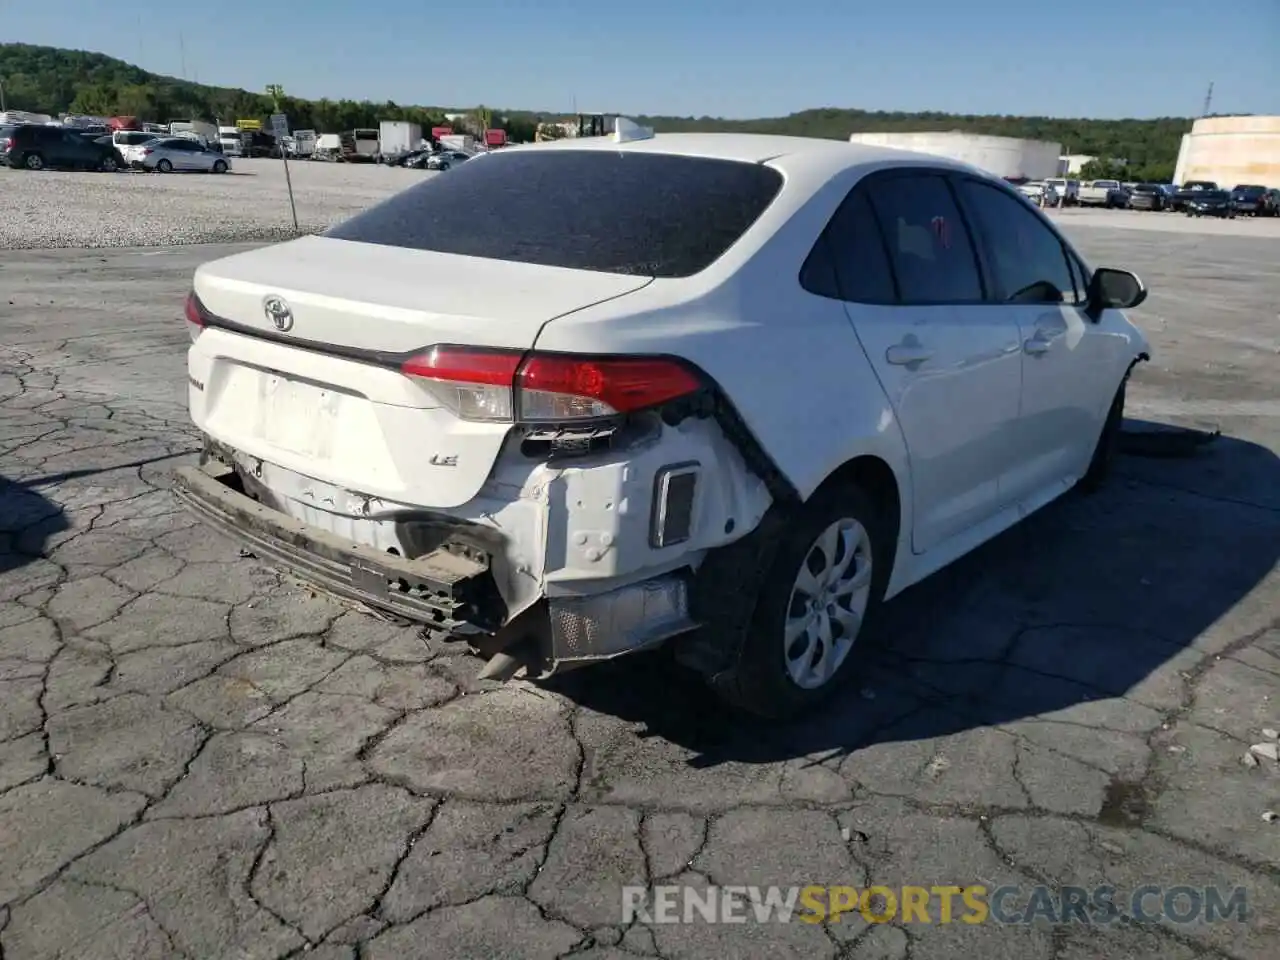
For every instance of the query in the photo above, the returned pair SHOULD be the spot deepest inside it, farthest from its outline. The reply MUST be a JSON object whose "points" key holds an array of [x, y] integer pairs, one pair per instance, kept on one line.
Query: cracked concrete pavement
{"points": [[200, 759]]}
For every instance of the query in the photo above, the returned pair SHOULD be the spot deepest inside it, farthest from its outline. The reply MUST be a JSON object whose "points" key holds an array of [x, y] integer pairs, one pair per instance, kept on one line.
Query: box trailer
{"points": [[461, 142], [302, 143], [398, 136]]}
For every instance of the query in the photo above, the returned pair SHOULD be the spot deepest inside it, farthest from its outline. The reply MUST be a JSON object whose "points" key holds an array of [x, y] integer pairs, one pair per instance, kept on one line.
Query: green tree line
{"points": [[53, 80]]}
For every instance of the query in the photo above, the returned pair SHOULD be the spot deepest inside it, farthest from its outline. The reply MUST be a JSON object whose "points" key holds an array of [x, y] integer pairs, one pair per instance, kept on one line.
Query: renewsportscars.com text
{"points": [[975, 904]]}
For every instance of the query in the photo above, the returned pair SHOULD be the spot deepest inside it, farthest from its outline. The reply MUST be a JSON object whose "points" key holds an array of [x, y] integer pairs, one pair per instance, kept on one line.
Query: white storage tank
{"points": [[1003, 156], [1230, 151]]}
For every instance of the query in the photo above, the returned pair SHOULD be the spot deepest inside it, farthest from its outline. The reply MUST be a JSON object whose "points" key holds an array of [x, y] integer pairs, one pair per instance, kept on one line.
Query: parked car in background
{"points": [[1147, 196], [1039, 192], [1211, 203], [414, 159], [555, 404], [129, 144], [37, 146], [446, 159], [1188, 191], [1252, 200], [1068, 190], [1103, 193], [109, 143], [179, 154]]}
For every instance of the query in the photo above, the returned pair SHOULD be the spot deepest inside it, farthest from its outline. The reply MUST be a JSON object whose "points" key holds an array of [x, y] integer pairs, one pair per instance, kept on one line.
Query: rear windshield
{"points": [[646, 214]]}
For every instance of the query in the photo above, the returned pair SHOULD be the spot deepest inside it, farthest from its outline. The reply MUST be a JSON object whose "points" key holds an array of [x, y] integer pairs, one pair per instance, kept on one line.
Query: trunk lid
{"points": [[323, 396], [390, 299]]}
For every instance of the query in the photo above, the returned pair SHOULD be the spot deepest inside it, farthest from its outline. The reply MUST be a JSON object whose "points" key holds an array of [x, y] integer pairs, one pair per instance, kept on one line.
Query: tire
{"points": [[109, 164], [1108, 445], [443, 167], [219, 166], [164, 166], [769, 679], [33, 161]]}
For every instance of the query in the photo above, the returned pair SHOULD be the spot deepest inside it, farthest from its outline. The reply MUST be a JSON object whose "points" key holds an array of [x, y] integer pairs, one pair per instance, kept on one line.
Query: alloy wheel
{"points": [[828, 602]]}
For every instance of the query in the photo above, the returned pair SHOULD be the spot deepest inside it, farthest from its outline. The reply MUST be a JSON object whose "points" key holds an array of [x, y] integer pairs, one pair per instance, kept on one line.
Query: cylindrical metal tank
{"points": [[1003, 156], [1230, 151]]}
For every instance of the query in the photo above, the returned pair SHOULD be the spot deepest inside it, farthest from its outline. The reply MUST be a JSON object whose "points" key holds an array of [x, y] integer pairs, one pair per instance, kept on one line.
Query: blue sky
{"points": [[732, 58]]}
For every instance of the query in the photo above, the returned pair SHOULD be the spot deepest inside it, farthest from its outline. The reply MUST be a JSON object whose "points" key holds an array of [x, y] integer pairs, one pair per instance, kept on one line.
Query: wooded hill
{"points": [[53, 80]]}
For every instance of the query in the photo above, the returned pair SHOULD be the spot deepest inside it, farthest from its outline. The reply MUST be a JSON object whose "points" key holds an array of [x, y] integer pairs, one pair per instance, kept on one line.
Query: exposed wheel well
{"points": [[875, 478]]}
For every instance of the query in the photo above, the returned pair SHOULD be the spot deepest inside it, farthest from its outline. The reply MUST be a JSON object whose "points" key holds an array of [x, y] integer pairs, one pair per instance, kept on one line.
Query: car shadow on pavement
{"points": [[27, 520], [1093, 598]]}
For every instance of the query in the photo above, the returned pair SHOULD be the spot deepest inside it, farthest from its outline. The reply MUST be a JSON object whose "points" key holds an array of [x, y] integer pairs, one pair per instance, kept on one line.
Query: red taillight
{"points": [[195, 315], [6, 145], [147, 151], [458, 364], [505, 385], [559, 387]]}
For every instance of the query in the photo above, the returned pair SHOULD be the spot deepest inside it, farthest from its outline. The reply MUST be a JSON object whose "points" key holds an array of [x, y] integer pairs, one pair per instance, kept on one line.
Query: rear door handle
{"points": [[1038, 344], [907, 354]]}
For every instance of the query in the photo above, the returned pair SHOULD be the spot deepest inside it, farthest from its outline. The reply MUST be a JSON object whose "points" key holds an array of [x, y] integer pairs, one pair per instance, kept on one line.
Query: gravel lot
{"points": [[200, 760], [58, 209]]}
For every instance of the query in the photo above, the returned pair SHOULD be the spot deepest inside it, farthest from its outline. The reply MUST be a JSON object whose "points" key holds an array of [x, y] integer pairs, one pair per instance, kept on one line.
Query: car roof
{"points": [[798, 156]]}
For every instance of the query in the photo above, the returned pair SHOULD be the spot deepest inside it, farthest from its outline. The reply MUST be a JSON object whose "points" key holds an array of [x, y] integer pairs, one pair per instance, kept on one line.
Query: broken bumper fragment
{"points": [[443, 590]]}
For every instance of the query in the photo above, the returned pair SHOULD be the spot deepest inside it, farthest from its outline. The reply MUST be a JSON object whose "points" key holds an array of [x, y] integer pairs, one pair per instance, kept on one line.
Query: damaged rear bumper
{"points": [[444, 591], [441, 590]]}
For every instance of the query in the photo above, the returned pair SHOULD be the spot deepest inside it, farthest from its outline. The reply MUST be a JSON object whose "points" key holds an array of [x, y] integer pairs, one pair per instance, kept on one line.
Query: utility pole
{"points": [[182, 53], [1208, 99], [2, 106]]}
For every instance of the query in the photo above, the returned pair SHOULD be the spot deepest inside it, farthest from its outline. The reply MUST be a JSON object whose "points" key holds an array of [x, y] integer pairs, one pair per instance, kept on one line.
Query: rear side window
{"points": [[851, 261], [646, 214], [928, 241]]}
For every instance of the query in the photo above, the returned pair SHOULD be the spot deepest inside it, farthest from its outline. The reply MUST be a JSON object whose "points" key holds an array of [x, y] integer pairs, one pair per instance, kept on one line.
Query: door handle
{"points": [[1037, 345], [910, 353]]}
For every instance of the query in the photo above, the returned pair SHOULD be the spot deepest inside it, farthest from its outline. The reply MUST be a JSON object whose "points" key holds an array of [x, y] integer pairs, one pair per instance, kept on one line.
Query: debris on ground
{"points": [[1271, 734], [1266, 751], [1270, 816]]}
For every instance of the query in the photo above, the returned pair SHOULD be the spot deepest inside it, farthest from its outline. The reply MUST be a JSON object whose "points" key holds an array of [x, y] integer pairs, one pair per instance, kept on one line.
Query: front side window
{"points": [[647, 214], [1028, 261], [928, 241]]}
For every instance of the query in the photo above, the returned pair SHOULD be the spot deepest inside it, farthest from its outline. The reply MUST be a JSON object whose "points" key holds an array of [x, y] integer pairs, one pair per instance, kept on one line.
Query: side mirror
{"points": [[1112, 289]]}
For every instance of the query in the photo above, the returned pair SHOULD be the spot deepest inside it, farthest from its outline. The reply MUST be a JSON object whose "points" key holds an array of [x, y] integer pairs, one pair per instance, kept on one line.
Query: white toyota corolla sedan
{"points": [[727, 392]]}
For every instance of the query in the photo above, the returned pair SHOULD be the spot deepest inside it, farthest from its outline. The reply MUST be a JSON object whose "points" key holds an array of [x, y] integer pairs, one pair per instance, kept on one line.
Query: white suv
{"points": [[724, 391]]}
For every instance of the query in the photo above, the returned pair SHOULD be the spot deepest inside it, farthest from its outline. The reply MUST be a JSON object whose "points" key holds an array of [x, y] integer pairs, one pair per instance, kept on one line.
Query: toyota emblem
{"points": [[278, 313]]}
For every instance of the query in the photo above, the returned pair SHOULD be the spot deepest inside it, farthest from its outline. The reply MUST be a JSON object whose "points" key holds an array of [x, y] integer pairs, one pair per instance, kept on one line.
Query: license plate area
{"points": [[299, 416]]}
